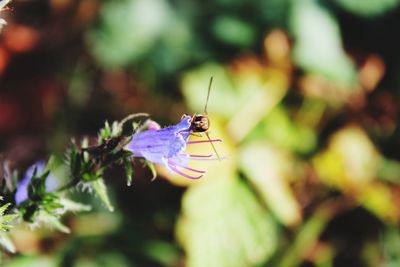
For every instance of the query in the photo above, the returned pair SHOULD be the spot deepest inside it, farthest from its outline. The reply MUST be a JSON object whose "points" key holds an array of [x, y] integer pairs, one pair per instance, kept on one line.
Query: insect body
{"points": [[200, 123]]}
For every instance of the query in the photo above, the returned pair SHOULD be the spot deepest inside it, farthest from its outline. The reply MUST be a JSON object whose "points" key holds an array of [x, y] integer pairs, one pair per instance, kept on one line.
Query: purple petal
{"points": [[22, 190], [158, 146], [184, 124]]}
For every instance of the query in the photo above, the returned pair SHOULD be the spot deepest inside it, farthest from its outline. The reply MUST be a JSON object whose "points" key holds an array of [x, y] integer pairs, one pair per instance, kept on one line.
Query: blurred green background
{"points": [[305, 97]]}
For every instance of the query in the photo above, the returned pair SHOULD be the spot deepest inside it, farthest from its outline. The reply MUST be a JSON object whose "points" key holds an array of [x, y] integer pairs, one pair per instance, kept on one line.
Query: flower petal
{"points": [[158, 145]]}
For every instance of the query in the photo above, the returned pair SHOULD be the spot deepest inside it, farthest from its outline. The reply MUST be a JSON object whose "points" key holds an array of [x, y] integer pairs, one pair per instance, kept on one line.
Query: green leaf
{"points": [[223, 224], [306, 238], [368, 8], [73, 206], [194, 89], [152, 169], [234, 31], [4, 207], [101, 190], [389, 246], [7, 243], [33, 260], [37, 185], [52, 221], [389, 170], [166, 254], [6, 219], [88, 176], [105, 132], [318, 46], [74, 161], [128, 170], [126, 32], [279, 129]]}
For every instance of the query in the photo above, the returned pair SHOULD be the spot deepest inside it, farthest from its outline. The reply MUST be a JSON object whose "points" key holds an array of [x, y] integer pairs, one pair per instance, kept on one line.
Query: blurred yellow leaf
{"points": [[351, 164], [265, 93], [350, 161], [378, 198], [269, 169]]}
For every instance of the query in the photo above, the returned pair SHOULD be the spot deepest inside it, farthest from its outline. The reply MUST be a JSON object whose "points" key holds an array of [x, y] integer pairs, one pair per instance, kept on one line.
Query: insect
{"points": [[200, 123]]}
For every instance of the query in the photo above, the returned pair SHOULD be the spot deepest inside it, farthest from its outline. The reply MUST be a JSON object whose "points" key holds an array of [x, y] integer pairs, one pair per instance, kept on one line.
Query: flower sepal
{"points": [[36, 193], [37, 185]]}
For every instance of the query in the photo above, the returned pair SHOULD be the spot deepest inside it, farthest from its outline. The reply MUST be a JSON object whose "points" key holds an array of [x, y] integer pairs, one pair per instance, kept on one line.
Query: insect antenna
{"points": [[208, 94], [205, 112]]}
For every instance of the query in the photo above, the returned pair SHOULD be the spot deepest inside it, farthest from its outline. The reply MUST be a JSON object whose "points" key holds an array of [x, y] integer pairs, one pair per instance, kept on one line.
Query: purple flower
{"points": [[21, 193], [167, 147]]}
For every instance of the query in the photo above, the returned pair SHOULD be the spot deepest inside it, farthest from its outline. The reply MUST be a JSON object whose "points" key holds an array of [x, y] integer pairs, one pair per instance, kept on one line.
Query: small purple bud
{"points": [[21, 193], [152, 125]]}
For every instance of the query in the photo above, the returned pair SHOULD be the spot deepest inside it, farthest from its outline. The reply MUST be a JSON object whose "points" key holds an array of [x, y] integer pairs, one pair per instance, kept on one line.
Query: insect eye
{"points": [[198, 118]]}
